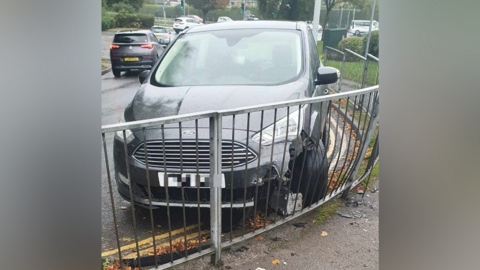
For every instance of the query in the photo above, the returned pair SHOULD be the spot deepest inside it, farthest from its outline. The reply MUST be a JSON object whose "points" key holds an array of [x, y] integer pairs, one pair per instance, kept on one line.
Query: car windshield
{"points": [[232, 57], [159, 30], [130, 38]]}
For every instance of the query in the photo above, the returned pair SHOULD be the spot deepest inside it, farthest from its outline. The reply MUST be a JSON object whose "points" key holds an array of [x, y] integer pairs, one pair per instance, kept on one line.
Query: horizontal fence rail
{"points": [[201, 182]]}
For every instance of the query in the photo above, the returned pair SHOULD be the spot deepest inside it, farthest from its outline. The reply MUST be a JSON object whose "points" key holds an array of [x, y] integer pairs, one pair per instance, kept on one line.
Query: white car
{"points": [[358, 27], [183, 23], [224, 19]]}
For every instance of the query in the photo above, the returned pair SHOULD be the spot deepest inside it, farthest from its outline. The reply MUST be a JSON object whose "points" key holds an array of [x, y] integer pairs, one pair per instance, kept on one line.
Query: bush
{"points": [[124, 19], [107, 22], [147, 21], [119, 7], [354, 44], [374, 43]]}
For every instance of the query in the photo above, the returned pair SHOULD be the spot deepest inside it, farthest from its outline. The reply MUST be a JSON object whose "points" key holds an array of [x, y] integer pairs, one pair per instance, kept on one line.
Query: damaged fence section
{"points": [[199, 183]]}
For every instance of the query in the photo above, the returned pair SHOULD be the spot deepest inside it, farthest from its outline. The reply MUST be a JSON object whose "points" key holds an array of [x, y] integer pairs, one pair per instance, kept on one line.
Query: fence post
{"points": [[215, 184], [364, 148], [341, 73]]}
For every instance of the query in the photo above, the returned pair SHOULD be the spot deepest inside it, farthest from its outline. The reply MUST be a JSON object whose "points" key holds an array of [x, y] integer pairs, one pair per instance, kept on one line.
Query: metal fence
{"points": [[356, 71], [236, 173]]}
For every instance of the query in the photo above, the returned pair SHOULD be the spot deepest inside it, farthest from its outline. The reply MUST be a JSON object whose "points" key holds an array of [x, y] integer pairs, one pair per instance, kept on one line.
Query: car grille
{"points": [[187, 154]]}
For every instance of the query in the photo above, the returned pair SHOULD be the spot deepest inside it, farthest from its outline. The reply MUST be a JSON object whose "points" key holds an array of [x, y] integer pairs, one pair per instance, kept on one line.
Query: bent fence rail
{"points": [[256, 164]]}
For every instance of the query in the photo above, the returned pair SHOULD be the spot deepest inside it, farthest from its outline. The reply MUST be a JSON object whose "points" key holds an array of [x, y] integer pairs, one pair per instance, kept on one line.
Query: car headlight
{"points": [[282, 132], [128, 132]]}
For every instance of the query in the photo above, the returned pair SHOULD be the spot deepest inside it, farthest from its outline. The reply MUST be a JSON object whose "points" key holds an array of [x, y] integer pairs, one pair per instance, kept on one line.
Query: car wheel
{"points": [[117, 73], [357, 33], [177, 31], [315, 171]]}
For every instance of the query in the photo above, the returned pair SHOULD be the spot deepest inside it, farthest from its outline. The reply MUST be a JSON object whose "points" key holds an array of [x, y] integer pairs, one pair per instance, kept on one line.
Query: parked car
{"points": [[224, 19], [162, 34], [251, 17], [359, 27], [195, 17], [183, 23], [224, 66], [134, 50]]}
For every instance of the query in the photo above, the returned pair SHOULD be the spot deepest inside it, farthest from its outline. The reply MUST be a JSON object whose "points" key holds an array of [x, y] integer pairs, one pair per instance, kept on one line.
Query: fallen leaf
{"points": [[159, 226], [324, 233], [275, 261], [123, 207], [259, 238], [144, 218], [314, 221]]}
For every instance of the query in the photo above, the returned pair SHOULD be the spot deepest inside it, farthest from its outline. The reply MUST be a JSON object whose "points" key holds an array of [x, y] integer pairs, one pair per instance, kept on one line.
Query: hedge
{"points": [[107, 22], [124, 19], [374, 43], [354, 44]]}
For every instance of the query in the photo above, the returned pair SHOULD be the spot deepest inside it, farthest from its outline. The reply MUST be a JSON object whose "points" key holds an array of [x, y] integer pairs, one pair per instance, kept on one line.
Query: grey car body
{"points": [[153, 100], [141, 46]]}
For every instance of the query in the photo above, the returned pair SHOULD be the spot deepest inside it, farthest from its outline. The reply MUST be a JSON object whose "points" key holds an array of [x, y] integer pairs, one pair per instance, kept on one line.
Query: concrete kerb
{"points": [[105, 71]]}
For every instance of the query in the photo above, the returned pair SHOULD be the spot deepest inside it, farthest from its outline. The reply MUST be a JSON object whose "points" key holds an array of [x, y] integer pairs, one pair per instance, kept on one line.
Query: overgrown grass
{"points": [[328, 209]]}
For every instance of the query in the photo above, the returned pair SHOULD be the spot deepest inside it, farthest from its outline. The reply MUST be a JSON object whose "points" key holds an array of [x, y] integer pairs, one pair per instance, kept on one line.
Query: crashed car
{"points": [[219, 67]]}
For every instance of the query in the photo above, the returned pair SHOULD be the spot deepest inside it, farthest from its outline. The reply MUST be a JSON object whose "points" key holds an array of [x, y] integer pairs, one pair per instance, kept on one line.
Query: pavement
{"points": [[350, 243]]}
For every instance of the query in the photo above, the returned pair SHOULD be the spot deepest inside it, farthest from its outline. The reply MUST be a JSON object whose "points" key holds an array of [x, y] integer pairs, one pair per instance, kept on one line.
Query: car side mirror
{"points": [[327, 75], [143, 75]]}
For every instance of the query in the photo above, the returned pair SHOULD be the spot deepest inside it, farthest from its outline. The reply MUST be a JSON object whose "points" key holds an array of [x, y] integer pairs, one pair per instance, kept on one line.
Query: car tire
{"points": [[357, 33], [315, 171], [117, 73], [177, 31]]}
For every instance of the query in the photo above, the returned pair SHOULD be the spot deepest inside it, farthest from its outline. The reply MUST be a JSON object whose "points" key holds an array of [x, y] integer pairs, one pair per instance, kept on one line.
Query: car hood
{"points": [[154, 102]]}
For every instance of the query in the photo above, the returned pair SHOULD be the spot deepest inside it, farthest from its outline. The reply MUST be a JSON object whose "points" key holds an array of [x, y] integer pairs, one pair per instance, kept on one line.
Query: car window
{"points": [[130, 38], [159, 30], [232, 57], [178, 20]]}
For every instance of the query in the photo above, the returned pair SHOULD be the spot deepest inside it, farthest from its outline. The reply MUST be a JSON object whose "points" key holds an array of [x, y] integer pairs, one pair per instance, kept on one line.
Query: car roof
{"points": [[248, 25], [133, 32]]}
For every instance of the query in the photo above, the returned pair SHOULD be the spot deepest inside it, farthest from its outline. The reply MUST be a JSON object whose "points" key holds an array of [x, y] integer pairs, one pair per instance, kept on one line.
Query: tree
{"points": [[329, 4], [136, 4], [207, 5]]}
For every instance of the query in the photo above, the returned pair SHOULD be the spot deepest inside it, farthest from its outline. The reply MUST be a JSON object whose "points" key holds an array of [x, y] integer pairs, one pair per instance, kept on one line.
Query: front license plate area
{"points": [[187, 180]]}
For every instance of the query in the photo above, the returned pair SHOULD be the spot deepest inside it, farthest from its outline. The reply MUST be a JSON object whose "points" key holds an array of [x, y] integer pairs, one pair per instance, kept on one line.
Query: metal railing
{"points": [[268, 164]]}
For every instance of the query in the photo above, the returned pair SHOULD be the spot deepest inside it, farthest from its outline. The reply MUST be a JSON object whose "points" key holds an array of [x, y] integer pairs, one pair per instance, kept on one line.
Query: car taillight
{"points": [[112, 46], [180, 23], [149, 46]]}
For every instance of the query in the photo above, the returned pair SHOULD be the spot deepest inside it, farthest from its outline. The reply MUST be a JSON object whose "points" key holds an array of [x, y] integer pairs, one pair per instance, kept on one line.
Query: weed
{"points": [[327, 210]]}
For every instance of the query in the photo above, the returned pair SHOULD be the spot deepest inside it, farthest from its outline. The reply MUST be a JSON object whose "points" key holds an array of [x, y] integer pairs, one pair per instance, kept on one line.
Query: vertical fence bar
{"points": [[372, 164], [340, 82], [295, 152], [303, 163], [149, 196], [258, 175], [117, 237], [280, 182], [165, 184], [132, 202], [245, 176], [197, 183], [182, 189], [215, 180], [271, 166], [231, 178], [368, 136]]}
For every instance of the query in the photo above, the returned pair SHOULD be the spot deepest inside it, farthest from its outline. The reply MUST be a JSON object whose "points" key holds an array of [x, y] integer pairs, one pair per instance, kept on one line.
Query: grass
{"points": [[105, 63], [352, 70], [327, 210]]}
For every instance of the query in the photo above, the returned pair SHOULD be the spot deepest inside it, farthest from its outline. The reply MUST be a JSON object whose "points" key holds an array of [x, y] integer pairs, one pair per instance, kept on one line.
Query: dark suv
{"points": [[134, 50], [225, 66]]}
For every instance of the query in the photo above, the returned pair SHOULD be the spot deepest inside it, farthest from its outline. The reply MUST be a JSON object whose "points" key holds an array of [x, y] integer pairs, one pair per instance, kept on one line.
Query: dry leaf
{"points": [[259, 238], [275, 261], [134, 250], [159, 226], [123, 207], [314, 221], [324, 233]]}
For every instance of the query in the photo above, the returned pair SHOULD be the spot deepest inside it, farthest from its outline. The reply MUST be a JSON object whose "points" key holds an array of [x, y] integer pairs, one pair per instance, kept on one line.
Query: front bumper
{"points": [[254, 171]]}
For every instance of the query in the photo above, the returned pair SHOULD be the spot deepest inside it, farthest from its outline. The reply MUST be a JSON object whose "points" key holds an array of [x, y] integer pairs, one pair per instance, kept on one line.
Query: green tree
{"points": [[207, 5], [136, 4]]}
